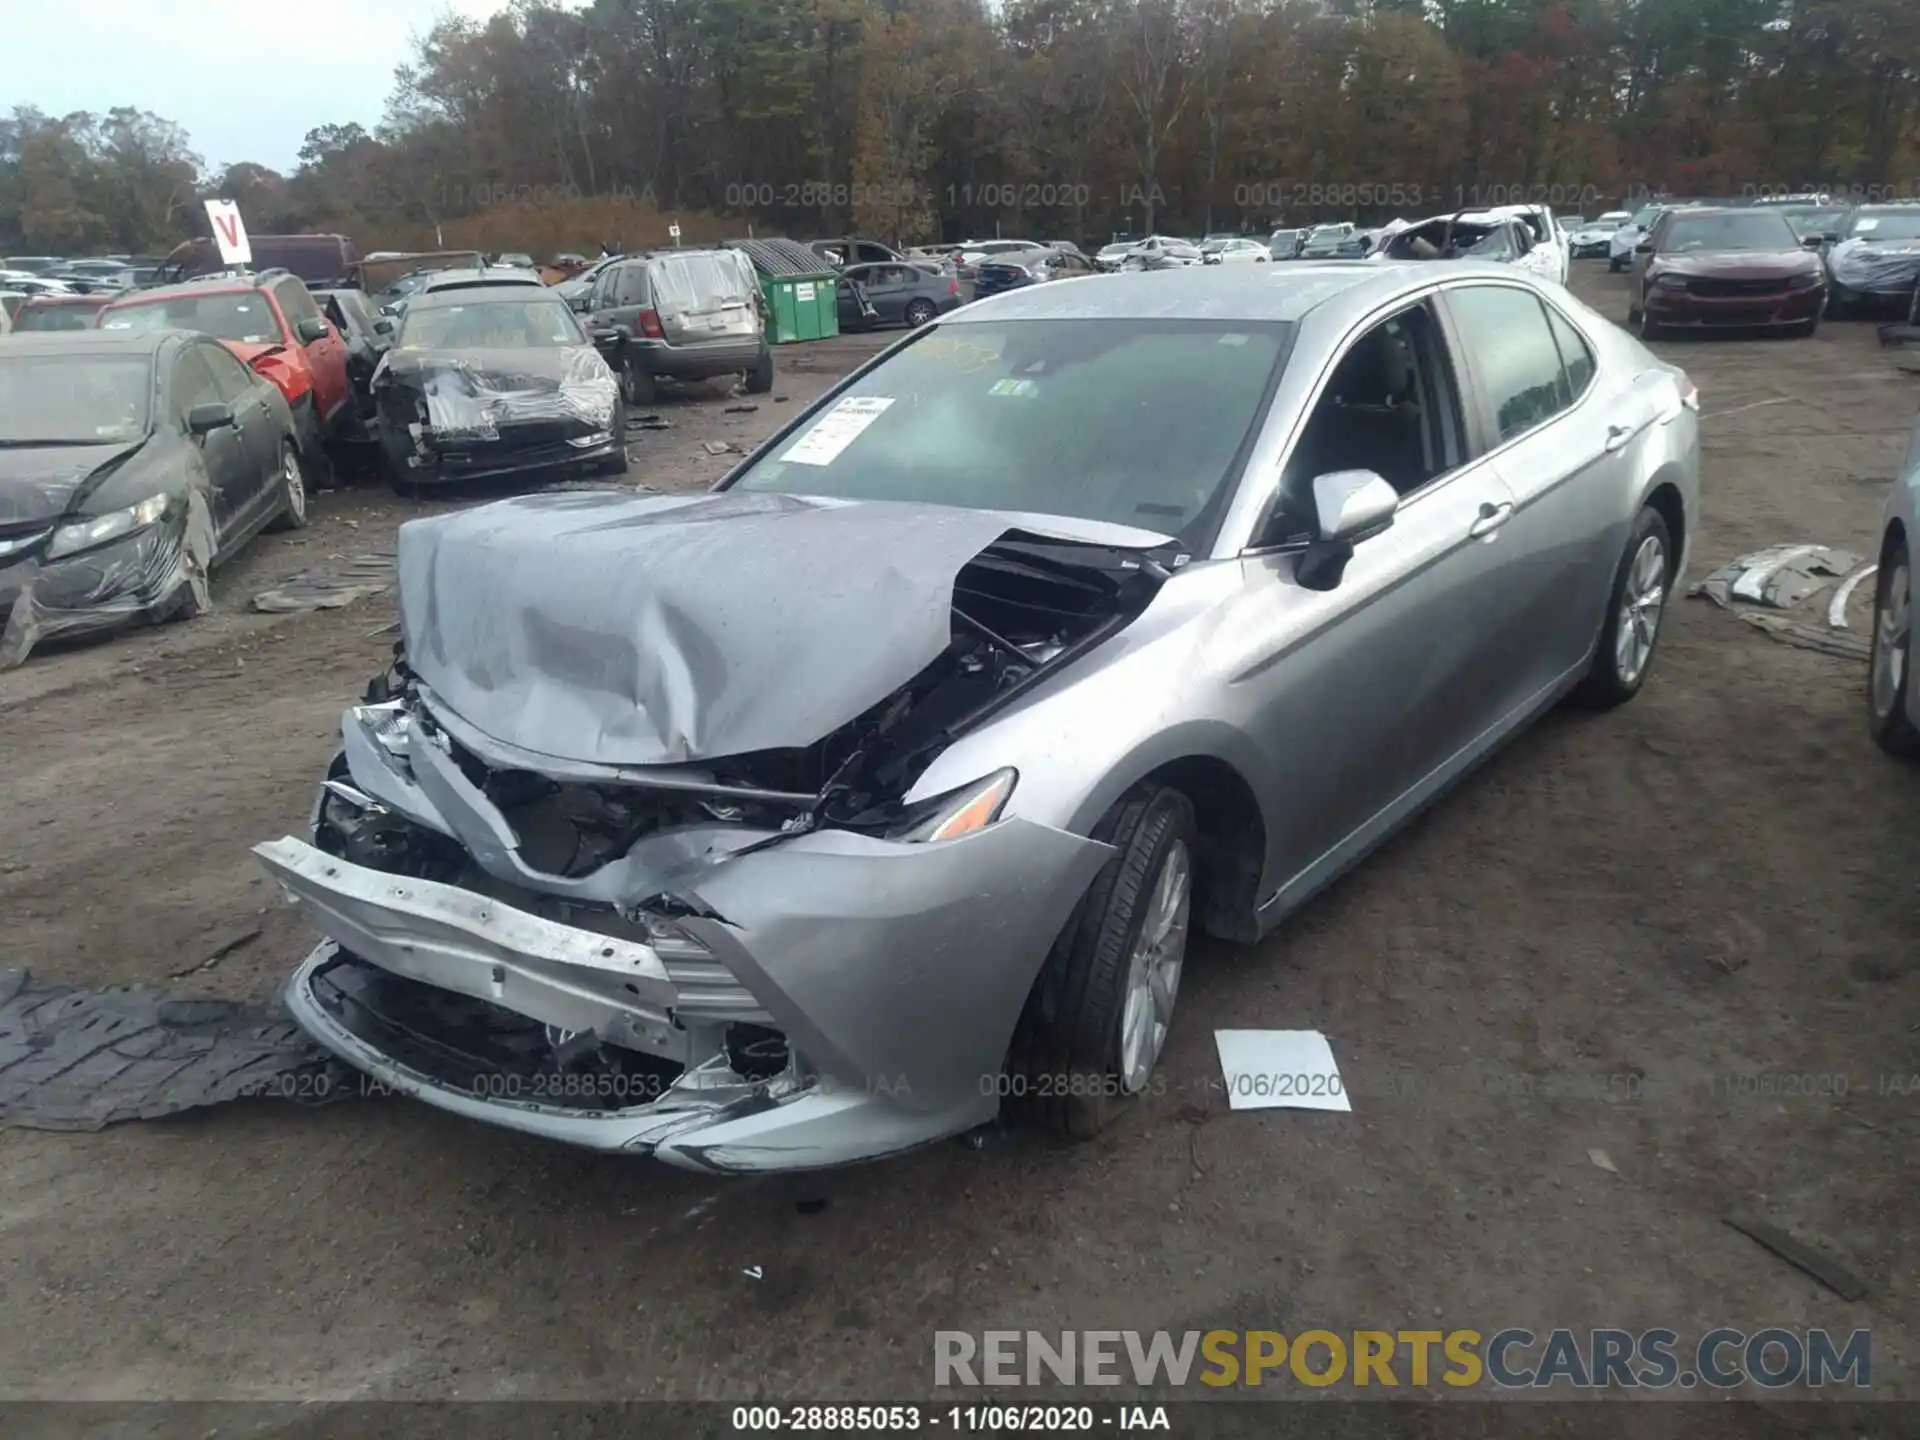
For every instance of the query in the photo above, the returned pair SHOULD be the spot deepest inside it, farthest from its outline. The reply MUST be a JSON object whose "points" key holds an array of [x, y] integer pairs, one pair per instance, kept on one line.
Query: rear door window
{"points": [[1504, 334], [232, 381], [1575, 354]]}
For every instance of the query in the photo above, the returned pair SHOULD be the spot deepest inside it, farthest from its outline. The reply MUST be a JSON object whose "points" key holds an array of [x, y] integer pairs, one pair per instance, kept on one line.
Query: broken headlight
{"points": [[587, 442], [959, 812], [389, 723]]}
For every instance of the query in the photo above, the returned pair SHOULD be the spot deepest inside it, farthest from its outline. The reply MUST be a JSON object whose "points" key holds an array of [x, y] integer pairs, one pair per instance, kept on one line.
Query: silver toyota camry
{"points": [[822, 815]]}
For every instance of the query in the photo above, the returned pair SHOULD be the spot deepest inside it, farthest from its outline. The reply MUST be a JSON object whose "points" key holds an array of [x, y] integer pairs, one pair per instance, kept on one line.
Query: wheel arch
{"points": [[1232, 833]]}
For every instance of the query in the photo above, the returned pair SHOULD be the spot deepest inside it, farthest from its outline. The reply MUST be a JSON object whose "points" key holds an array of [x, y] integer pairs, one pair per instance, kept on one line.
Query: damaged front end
{"points": [[450, 416], [672, 937]]}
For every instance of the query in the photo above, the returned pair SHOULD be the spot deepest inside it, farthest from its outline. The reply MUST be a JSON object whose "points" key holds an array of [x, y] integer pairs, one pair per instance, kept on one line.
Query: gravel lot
{"points": [[1716, 881]]}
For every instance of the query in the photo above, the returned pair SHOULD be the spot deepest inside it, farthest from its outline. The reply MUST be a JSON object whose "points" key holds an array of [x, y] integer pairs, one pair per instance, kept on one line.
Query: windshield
{"points": [[243, 317], [1126, 421], [1606, 222], [73, 399], [1751, 231], [1816, 222], [542, 323], [55, 317], [1886, 225]]}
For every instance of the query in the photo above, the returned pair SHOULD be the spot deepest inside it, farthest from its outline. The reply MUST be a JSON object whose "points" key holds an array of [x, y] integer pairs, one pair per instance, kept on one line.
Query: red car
{"points": [[59, 312], [269, 321], [1737, 269]]}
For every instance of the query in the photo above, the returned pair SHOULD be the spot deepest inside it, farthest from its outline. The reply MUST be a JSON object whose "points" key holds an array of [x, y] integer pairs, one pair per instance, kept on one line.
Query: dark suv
{"points": [[679, 315]]}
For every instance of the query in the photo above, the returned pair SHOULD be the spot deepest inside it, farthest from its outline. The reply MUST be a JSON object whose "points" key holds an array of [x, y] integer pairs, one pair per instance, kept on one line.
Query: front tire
{"points": [[919, 312], [637, 386], [1101, 1010], [292, 514], [1890, 671], [1614, 267], [1632, 630]]}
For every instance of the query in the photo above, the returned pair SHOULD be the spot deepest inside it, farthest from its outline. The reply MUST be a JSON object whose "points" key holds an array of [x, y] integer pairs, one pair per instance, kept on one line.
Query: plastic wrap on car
{"points": [[120, 583], [1884, 269], [466, 400], [702, 280]]}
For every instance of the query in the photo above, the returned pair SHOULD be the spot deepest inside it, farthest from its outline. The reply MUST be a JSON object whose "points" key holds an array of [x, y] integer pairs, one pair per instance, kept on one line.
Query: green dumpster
{"points": [[801, 290]]}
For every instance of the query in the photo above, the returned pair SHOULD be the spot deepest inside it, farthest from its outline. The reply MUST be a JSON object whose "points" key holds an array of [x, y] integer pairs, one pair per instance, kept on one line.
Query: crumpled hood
{"points": [[625, 629], [42, 484]]}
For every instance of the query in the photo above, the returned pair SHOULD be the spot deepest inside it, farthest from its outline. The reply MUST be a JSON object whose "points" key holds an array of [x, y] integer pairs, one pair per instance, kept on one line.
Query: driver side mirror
{"points": [[1644, 247], [311, 330], [213, 415], [1349, 506], [1812, 242], [383, 326], [580, 304]]}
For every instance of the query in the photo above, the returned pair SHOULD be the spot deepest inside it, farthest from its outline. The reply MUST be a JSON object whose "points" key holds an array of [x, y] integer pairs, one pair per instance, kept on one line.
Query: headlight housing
{"points": [[960, 812], [74, 536], [1806, 282], [1670, 281]]}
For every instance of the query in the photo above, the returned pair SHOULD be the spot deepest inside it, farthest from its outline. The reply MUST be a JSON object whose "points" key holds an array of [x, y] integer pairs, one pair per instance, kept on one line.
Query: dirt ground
{"points": [[1716, 881]]}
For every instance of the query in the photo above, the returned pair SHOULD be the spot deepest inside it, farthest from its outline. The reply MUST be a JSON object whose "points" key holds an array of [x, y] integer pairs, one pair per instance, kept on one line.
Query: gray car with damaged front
{"points": [[821, 816]]}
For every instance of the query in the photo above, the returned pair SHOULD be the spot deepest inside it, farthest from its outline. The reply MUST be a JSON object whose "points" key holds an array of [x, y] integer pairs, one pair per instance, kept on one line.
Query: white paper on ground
{"points": [[837, 429], [1280, 1069]]}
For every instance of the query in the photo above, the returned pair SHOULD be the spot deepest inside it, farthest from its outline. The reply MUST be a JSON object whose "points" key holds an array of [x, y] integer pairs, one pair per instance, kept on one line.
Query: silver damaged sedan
{"points": [[807, 820]]}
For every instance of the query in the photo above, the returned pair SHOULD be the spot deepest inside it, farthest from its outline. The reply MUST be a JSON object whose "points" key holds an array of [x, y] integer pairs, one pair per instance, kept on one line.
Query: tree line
{"points": [[920, 120]]}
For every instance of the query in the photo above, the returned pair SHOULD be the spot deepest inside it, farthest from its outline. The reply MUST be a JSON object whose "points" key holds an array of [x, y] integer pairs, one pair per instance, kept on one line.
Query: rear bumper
{"points": [[695, 362]]}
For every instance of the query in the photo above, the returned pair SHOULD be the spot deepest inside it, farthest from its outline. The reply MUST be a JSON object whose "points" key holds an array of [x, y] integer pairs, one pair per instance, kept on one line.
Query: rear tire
{"points": [[292, 514], [1890, 669], [1072, 1061], [920, 312], [1641, 590], [760, 377]]}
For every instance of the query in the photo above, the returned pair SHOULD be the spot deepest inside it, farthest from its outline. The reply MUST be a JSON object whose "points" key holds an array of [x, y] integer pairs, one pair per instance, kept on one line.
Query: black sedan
{"points": [[131, 464], [496, 381], [1028, 267], [368, 335], [898, 293]]}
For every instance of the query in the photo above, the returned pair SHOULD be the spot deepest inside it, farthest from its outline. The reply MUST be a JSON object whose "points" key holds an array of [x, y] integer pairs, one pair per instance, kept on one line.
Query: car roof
{"points": [[449, 296], [122, 343], [1254, 293], [492, 275]]}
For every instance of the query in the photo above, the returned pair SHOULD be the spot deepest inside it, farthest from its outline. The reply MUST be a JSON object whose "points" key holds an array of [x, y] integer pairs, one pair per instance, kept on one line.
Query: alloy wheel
{"points": [[1153, 970], [1892, 623], [296, 485], [1641, 605]]}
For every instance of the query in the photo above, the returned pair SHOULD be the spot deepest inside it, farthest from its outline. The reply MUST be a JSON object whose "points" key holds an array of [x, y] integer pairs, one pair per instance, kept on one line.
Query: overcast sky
{"points": [[246, 79]]}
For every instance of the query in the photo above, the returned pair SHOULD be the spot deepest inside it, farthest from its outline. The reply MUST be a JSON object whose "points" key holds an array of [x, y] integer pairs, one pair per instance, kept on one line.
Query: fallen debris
{"points": [[715, 447], [339, 581], [754, 1272], [1604, 1161], [1757, 587], [74, 1059], [1280, 1069], [741, 409], [649, 422], [1836, 1277]]}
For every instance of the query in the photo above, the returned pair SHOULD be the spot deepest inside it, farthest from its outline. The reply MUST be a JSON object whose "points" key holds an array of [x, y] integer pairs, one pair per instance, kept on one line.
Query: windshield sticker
{"points": [[1233, 339], [837, 429], [1012, 386], [1866, 223]]}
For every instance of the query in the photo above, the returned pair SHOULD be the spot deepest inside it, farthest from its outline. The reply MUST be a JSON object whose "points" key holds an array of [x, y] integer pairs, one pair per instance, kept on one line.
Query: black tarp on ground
{"points": [[74, 1059]]}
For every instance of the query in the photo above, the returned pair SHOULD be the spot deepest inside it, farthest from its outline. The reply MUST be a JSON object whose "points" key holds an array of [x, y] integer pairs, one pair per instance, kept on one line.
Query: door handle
{"points": [[1491, 517], [1617, 436]]}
